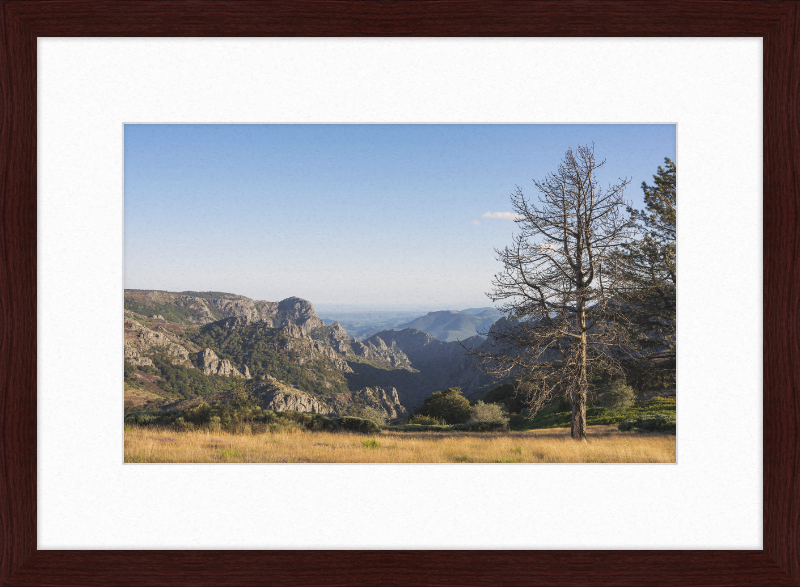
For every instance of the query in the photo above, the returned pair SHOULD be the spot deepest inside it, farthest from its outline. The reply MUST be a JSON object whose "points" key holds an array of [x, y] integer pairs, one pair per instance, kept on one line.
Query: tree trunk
{"points": [[578, 428]]}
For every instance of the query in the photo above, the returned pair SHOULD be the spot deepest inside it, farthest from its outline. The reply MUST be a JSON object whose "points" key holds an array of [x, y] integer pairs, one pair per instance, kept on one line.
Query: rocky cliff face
{"points": [[277, 397], [384, 399], [141, 341], [210, 364], [207, 307], [300, 313]]}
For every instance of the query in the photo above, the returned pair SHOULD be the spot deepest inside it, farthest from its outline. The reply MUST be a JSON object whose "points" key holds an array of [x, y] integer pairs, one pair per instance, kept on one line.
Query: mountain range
{"points": [[188, 346], [453, 325]]}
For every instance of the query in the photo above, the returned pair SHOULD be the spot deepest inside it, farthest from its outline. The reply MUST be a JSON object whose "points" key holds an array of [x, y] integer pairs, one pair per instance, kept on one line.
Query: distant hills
{"points": [[365, 323], [451, 325]]}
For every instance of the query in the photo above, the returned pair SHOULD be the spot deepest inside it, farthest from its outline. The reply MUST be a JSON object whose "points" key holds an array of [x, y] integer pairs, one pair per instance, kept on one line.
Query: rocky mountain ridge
{"points": [[320, 367], [274, 395]]}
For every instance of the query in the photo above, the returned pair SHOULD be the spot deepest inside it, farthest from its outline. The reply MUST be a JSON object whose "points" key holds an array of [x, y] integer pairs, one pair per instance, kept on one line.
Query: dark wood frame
{"points": [[777, 22]]}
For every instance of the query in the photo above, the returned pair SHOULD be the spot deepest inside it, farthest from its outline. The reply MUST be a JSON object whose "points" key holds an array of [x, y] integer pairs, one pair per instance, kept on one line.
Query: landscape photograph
{"points": [[400, 293]]}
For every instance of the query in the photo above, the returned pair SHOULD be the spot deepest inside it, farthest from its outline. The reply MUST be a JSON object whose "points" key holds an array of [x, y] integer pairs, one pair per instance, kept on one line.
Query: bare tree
{"points": [[556, 286]]}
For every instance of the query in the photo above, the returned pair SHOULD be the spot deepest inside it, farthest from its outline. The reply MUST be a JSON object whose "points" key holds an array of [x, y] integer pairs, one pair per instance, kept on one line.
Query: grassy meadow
{"points": [[605, 444]]}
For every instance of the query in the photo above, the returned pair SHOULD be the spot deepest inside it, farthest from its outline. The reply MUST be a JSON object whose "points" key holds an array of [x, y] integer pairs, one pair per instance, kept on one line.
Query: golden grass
{"points": [[605, 444]]}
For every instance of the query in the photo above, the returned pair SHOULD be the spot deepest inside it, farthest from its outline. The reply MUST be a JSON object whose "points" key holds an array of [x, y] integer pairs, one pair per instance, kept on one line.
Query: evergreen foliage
{"points": [[648, 265], [361, 425], [421, 420], [448, 405], [231, 418], [553, 418], [507, 395]]}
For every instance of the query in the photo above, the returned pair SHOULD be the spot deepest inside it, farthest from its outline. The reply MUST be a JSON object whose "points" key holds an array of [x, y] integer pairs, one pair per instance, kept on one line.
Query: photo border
{"points": [[22, 22]]}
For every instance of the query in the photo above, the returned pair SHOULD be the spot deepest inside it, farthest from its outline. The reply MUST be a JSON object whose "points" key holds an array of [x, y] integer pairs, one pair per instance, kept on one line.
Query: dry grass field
{"points": [[605, 444]]}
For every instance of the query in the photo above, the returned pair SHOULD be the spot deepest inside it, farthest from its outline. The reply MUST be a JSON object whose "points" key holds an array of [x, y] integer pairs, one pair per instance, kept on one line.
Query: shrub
{"points": [[656, 424], [424, 420], [620, 396], [480, 426], [508, 395], [373, 415], [448, 405], [141, 419], [564, 405], [418, 428], [357, 425], [517, 420], [371, 443], [199, 414], [482, 412]]}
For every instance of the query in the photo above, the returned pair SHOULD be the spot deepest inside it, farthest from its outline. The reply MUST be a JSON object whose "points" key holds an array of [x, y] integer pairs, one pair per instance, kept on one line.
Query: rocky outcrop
{"points": [[384, 399], [337, 332], [211, 364], [136, 360], [298, 401], [239, 306], [277, 397], [141, 341], [374, 350], [299, 312], [234, 322]]}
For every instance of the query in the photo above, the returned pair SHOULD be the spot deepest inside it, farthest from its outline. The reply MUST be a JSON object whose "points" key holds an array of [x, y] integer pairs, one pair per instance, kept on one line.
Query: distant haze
{"points": [[349, 217]]}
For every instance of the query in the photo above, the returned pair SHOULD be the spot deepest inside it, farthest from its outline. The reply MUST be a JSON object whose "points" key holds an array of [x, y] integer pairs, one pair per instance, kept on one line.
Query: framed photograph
{"points": [[74, 513], [392, 353]]}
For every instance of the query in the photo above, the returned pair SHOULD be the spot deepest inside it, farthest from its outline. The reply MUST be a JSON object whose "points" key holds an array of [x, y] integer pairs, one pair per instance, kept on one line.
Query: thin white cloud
{"points": [[547, 247], [475, 222], [502, 215]]}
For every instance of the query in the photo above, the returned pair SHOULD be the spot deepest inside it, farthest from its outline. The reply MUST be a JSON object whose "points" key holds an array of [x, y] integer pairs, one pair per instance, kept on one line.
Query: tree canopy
{"points": [[648, 266], [448, 405]]}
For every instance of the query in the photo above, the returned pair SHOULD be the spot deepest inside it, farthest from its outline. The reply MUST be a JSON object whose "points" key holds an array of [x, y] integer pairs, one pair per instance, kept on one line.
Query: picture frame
{"points": [[22, 564]]}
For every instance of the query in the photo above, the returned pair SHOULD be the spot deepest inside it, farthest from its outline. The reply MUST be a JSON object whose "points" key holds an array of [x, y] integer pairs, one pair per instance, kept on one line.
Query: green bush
{"points": [[480, 426], [656, 424], [424, 420], [448, 405], [508, 395], [231, 419], [141, 419], [373, 415], [494, 413], [598, 415], [361, 425], [564, 405], [619, 396], [517, 420]]}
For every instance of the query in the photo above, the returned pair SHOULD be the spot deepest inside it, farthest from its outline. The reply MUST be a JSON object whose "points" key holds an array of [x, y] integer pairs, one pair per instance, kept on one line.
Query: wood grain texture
{"points": [[22, 21]]}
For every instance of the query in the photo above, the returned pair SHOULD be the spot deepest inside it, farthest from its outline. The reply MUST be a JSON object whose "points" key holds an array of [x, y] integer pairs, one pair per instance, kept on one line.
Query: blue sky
{"points": [[373, 216]]}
